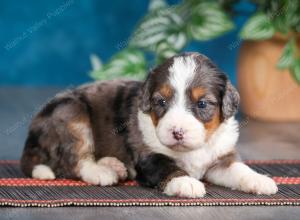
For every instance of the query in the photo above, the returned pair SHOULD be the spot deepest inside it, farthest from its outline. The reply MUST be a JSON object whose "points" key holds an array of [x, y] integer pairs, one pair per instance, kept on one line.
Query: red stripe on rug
{"points": [[286, 180], [58, 182], [272, 161], [67, 182], [9, 161]]}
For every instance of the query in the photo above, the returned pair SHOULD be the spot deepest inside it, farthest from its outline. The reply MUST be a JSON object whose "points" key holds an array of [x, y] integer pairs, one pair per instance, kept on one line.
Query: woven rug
{"points": [[17, 190]]}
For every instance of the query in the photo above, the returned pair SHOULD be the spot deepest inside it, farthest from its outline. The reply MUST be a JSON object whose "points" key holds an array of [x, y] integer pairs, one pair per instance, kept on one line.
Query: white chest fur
{"points": [[196, 162]]}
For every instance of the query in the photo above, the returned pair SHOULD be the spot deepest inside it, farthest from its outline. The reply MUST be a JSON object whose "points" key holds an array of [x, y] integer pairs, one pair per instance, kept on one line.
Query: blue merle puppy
{"points": [[169, 132]]}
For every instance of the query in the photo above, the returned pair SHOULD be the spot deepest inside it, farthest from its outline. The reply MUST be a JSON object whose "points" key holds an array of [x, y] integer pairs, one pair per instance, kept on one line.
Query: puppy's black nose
{"points": [[178, 135]]}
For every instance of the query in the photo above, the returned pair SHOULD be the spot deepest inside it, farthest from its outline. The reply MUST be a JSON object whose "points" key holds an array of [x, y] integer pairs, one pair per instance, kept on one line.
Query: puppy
{"points": [[168, 132]]}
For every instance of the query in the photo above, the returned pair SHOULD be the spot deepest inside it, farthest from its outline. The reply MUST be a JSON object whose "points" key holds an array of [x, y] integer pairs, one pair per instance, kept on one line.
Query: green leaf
{"points": [[159, 26], [208, 21], [258, 27], [292, 13], [296, 70], [95, 62], [164, 50], [170, 46], [288, 55], [281, 25], [129, 63]]}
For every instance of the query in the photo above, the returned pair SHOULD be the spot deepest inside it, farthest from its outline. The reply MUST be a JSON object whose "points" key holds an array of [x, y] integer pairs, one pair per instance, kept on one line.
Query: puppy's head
{"points": [[187, 98]]}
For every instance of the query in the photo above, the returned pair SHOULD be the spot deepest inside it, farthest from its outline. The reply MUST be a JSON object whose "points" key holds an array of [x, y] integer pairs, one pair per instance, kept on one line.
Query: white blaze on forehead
{"points": [[181, 74], [178, 116]]}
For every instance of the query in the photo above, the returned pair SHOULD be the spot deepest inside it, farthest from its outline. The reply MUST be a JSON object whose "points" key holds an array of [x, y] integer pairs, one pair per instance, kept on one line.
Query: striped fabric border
{"points": [[17, 190], [150, 202]]}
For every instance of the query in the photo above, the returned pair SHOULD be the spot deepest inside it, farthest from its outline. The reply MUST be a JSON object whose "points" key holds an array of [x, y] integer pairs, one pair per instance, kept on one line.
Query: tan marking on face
{"points": [[154, 118], [213, 124], [197, 93], [166, 91]]}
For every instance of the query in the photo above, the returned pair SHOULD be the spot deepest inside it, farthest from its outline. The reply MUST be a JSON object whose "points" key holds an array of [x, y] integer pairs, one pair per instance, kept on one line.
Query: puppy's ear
{"points": [[145, 102], [230, 100]]}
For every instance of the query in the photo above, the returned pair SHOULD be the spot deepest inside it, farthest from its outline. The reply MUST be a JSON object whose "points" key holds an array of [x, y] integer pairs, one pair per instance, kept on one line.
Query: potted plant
{"points": [[269, 62]]}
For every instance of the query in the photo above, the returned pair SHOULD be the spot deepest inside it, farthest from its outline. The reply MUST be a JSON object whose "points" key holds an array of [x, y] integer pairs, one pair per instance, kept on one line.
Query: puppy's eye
{"points": [[202, 104], [162, 102]]}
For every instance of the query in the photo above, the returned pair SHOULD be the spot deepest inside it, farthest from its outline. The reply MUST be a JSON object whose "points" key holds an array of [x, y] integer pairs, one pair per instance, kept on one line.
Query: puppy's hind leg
{"points": [[42, 172], [87, 168], [60, 144]]}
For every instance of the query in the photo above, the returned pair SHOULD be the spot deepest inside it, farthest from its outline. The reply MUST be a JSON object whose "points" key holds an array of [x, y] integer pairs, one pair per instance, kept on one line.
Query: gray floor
{"points": [[258, 140]]}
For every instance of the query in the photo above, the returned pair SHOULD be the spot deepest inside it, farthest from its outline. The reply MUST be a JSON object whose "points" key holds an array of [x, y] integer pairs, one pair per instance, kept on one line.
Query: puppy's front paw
{"points": [[258, 184], [185, 186]]}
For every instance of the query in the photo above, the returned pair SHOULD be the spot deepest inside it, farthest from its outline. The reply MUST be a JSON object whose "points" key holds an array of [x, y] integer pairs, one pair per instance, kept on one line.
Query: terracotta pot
{"points": [[267, 93]]}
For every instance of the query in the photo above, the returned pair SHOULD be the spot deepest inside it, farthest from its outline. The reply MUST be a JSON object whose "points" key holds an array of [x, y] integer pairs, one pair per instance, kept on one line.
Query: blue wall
{"points": [[49, 42]]}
